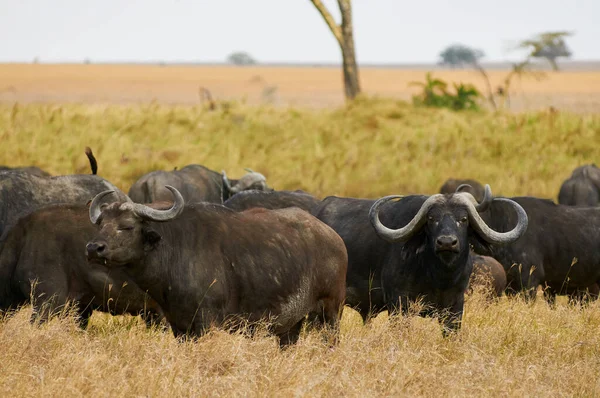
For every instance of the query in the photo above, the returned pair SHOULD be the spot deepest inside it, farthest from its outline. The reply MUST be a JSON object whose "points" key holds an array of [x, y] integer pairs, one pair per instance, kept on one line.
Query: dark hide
{"points": [[44, 258], [195, 183], [21, 193], [555, 236], [582, 188], [272, 200], [30, 170], [475, 188], [390, 276], [212, 265]]}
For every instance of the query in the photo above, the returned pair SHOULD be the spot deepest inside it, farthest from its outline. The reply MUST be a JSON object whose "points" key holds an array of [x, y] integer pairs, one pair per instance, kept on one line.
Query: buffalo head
{"points": [[446, 220], [251, 180], [473, 187], [125, 235]]}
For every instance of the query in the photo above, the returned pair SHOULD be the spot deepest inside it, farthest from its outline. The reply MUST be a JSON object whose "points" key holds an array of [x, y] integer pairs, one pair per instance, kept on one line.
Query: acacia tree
{"points": [[460, 55], [345, 38], [549, 45], [241, 58]]}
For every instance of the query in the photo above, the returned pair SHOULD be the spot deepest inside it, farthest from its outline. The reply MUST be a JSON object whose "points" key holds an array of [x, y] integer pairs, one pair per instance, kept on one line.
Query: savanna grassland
{"points": [[574, 89], [370, 148]]}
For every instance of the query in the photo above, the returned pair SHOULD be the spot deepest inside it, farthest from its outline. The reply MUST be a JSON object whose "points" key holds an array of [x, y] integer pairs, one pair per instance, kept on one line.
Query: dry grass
{"points": [[576, 91], [507, 348], [369, 149]]}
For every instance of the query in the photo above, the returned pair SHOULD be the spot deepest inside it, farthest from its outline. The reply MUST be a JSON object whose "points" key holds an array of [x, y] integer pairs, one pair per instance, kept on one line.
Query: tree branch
{"points": [[335, 28]]}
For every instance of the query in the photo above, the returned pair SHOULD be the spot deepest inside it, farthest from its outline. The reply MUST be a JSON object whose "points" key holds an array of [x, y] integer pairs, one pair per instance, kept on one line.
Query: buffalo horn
{"points": [[151, 214], [404, 233]]}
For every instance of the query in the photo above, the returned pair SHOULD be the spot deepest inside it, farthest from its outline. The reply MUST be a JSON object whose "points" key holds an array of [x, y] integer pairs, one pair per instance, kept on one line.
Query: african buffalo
{"points": [[471, 186], [21, 193], [272, 200], [582, 188], [44, 258], [419, 249], [558, 250], [204, 263], [489, 274], [196, 183]]}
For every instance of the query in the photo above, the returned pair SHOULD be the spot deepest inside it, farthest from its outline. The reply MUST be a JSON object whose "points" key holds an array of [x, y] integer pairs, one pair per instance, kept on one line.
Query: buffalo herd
{"points": [[194, 248]]}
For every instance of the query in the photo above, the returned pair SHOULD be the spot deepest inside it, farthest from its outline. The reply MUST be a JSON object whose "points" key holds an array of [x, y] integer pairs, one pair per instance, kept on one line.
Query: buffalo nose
{"points": [[95, 248], [446, 243]]}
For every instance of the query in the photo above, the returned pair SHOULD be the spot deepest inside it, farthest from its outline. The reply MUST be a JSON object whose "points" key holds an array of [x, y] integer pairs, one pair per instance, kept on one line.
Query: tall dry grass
{"points": [[506, 348], [369, 149]]}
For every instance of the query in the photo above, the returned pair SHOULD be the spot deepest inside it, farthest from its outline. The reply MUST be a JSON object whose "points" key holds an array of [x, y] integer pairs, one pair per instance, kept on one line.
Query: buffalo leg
{"points": [[291, 336], [151, 318], [453, 319], [84, 316], [550, 296], [46, 306], [330, 316]]}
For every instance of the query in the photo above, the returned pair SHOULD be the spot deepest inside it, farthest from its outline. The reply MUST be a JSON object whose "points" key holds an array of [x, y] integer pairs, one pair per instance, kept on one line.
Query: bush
{"points": [[435, 94]]}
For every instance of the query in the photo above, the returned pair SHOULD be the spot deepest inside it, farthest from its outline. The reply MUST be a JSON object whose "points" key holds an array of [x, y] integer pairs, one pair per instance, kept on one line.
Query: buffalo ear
{"points": [[478, 245], [150, 238]]}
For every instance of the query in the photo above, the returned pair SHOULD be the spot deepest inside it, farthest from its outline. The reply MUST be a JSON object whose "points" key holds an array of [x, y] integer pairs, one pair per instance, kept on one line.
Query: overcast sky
{"points": [[386, 31]]}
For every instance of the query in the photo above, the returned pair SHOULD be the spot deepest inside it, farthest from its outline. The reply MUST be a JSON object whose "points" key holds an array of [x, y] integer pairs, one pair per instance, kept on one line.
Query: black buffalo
{"points": [[419, 249], [205, 263], [195, 182], [44, 259], [559, 250], [21, 193], [473, 187], [272, 200], [582, 188]]}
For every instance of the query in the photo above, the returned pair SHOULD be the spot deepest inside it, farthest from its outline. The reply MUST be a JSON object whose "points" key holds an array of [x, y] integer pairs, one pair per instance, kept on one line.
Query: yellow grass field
{"points": [[369, 148], [577, 91]]}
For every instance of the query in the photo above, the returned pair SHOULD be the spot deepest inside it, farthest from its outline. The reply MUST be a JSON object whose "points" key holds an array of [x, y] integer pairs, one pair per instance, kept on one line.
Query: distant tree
{"points": [[241, 58], [345, 38], [548, 45], [460, 55]]}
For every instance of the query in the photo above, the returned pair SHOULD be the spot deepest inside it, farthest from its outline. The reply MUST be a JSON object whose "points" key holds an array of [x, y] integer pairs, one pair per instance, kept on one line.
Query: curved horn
{"points": [[95, 206], [151, 214], [485, 202], [225, 180], [461, 187], [404, 233], [488, 234], [249, 170]]}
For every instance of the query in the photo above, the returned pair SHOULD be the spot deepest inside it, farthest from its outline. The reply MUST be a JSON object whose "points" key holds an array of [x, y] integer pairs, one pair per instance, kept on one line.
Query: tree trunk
{"points": [[553, 63], [345, 38], [351, 84]]}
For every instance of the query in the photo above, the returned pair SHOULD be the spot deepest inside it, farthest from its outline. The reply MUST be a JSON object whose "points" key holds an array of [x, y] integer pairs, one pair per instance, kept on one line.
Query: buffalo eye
{"points": [[430, 218], [464, 219]]}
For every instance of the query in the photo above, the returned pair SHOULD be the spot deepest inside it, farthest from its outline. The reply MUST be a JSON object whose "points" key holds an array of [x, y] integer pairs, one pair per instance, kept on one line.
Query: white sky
{"points": [[386, 31]]}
